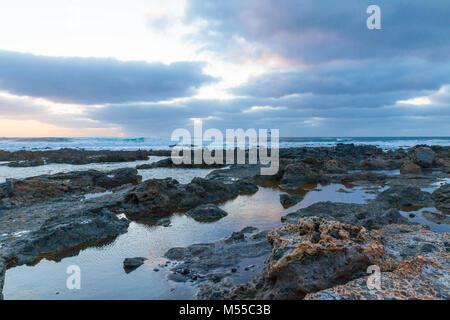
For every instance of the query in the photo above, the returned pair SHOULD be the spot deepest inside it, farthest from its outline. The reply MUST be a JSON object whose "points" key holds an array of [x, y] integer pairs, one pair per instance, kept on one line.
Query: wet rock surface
{"points": [[442, 198], [2, 277], [207, 213], [211, 263], [164, 196], [371, 216], [39, 231], [400, 196], [17, 193], [436, 217]]}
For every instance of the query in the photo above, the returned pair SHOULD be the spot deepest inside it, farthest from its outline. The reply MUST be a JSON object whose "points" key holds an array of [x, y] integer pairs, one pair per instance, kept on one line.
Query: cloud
{"points": [[25, 108], [314, 32], [308, 115], [98, 80], [368, 77]]}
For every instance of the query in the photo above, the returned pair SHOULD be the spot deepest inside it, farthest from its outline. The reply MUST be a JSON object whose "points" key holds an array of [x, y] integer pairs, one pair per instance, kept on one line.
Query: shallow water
{"points": [[436, 185], [101, 267], [418, 218]]}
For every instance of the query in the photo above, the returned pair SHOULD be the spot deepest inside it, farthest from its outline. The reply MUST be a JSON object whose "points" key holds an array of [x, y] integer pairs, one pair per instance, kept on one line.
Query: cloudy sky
{"points": [[147, 67]]}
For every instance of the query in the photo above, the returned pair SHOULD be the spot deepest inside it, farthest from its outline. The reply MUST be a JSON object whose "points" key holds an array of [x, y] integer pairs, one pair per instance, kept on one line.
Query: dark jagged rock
{"points": [[131, 264], [334, 166], [400, 196], [289, 200], [119, 177], [24, 158], [164, 196], [379, 163], [442, 198], [250, 172], [207, 213], [371, 216], [168, 163]]}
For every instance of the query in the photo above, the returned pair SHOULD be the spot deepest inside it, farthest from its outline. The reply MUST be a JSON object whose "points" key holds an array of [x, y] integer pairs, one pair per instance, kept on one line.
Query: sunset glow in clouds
{"points": [[145, 68]]}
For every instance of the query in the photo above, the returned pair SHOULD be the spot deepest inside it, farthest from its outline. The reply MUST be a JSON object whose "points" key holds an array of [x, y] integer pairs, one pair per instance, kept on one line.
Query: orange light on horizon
{"points": [[33, 128]]}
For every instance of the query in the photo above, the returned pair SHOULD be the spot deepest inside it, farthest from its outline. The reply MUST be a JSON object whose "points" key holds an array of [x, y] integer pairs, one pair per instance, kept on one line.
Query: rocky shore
{"points": [[321, 251], [25, 158]]}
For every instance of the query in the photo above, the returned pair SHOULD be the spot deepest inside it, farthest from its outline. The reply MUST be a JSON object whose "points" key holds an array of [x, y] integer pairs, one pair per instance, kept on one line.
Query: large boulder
{"points": [[442, 198], [423, 156], [207, 213]]}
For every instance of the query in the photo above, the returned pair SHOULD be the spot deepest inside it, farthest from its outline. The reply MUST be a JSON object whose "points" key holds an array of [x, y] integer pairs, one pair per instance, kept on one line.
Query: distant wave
{"points": [[135, 143], [50, 139]]}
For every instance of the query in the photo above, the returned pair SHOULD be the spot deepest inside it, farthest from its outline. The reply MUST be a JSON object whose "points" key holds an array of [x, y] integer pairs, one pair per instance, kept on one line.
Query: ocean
{"points": [[386, 143]]}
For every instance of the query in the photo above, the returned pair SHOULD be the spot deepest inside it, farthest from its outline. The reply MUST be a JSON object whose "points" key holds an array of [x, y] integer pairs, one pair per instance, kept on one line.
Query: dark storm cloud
{"points": [[97, 80], [352, 78], [319, 31]]}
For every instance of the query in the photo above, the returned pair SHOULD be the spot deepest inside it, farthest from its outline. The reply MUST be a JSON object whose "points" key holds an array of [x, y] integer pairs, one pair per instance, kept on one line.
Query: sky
{"points": [[147, 67]]}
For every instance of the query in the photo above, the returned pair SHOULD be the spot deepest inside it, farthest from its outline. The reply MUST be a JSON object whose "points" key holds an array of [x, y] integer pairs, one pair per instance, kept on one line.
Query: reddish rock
{"points": [[410, 167]]}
